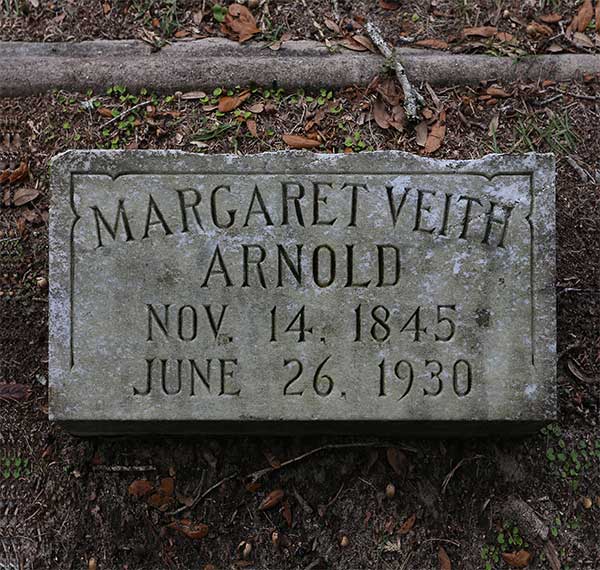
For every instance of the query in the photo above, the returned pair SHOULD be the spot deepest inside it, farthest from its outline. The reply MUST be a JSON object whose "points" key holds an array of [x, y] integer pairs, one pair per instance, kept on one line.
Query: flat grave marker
{"points": [[301, 292]]}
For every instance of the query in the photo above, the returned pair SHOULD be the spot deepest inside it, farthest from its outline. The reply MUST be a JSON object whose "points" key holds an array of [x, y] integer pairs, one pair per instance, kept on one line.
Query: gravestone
{"points": [[301, 292]]}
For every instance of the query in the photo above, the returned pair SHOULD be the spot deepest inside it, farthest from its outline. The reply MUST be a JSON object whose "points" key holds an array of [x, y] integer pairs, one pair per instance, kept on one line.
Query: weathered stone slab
{"points": [[301, 291]]}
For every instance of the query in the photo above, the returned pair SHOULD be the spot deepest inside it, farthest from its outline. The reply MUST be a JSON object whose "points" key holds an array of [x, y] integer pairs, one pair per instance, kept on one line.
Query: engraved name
{"points": [[303, 205]]}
